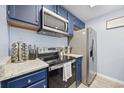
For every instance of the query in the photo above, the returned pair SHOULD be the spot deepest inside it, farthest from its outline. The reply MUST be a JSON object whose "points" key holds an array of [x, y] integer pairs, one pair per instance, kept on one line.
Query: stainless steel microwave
{"points": [[52, 23]]}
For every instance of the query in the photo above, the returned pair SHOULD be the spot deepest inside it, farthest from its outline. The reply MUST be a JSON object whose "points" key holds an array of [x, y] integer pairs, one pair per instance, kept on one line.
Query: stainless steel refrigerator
{"points": [[84, 43]]}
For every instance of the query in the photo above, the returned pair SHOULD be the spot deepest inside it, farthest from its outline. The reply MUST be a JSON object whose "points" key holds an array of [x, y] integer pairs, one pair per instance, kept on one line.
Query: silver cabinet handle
{"points": [[36, 13], [8, 12], [44, 86], [29, 81]]}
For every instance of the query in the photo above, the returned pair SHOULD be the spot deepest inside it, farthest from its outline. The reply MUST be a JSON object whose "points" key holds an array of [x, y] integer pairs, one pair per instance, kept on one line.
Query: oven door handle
{"points": [[55, 67], [73, 61], [59, 66]]}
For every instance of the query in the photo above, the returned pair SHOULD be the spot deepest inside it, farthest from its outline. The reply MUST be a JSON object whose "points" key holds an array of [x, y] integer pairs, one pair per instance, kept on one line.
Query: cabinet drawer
{"points": [[40, 84], [27, 80]]}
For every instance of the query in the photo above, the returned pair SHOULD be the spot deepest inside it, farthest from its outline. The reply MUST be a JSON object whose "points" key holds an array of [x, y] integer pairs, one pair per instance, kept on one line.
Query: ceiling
{"points": [[85, 12]]}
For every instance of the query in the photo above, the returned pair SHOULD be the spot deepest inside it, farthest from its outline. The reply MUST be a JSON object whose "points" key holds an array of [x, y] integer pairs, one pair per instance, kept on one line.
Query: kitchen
{"points": [[43, 42]]}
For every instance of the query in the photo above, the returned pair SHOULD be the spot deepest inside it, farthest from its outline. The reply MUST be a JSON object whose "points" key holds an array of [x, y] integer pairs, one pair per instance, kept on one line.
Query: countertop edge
{"points": [[23, 73], [17, 75], [74, 55]]}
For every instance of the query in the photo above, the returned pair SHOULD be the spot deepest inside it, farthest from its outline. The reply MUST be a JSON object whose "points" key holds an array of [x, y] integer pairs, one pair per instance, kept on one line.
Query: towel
{"points": [[67, 71]]}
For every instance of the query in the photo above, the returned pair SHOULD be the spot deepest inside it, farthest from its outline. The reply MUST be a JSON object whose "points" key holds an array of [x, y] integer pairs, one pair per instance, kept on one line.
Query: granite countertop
{"points": [[16, 69], [74, 55]]}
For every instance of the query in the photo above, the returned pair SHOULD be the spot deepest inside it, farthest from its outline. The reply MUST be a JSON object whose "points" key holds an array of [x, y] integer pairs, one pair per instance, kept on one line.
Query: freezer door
{"points": [[91, 55]]}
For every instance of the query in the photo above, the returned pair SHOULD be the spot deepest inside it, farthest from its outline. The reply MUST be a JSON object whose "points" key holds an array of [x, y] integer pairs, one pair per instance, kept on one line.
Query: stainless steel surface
{"points": [[19, 52], [91, 55], [53, 24], [32, 50], [84, 43], [61, 54], [55, 67], [15, 52], [56, 63], [59, 65], [68, 49], [48, 50]]}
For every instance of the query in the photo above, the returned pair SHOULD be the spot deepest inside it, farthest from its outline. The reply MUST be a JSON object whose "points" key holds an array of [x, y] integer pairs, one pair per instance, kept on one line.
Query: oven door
{"points": [[56, 78]]}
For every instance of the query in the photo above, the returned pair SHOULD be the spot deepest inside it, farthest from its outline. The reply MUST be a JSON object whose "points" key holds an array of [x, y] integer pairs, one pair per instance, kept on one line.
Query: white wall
{"points": [[31, 37], [3, 33], [110, 46]]}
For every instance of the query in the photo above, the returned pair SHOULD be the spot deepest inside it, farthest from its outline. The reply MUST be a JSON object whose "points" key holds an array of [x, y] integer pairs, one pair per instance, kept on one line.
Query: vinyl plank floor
{"points": [[100, 82]]}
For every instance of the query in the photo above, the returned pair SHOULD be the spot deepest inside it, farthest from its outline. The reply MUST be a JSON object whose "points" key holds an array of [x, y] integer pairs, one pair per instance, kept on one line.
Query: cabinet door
{"points": [[25, 80], [81, 24], [70, 24], [78, 23], [40, 84], [78, 71], [51, 7], [25, 13], [62, 11]]}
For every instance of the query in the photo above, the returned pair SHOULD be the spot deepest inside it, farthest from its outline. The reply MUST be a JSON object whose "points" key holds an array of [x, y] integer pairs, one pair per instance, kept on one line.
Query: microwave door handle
{"points": [[92, 50], [66, 27], [36, 13]]}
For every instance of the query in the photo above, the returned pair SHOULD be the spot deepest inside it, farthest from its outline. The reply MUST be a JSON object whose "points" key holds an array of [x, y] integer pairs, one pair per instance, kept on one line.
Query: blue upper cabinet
{"points": [[29, 17], [78, 23], [74, 22], [26, 14], [53, 8], [62, 11], [70, 24]]}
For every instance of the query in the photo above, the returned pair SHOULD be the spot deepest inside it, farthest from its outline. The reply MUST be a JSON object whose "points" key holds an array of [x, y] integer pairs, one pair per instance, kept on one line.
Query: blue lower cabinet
{"points": [[34, 79], [78, 71], [40, 84]]}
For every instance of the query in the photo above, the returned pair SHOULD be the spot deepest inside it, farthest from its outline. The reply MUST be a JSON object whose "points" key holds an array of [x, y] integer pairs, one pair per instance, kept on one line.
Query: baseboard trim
{"points": [[110, 78]]}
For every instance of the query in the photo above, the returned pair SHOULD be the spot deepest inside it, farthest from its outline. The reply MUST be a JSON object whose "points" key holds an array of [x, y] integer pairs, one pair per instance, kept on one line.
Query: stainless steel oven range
{"points": [[56, 63]]}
